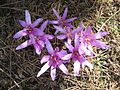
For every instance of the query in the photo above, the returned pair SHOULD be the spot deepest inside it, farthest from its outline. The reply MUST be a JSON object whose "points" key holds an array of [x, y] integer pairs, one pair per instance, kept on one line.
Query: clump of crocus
{"points": [[80, 43], [28, 27], [53, 60], [62, 21]]}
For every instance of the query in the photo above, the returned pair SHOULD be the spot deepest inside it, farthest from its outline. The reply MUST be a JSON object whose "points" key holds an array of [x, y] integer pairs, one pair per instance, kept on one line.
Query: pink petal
{"points": [[37, 49], [35, 23], [100, 35], [69, 46], [71, 19], [53, 73], [76, 40], [23, 23], [43, 26], [24, 44], [49, 47], [86, 63], [65, 13], [44, 59], [56, 13], [76, 68], [63, 68], [20, 34], [61, 37], [69, 40], [27, 17], [67, 57], [43, 69], [100, 44], [88, 30]]}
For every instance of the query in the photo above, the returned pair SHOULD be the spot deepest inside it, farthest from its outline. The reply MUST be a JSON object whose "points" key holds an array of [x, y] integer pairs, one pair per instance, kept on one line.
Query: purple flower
{"points": [[89, 38], [28, 27], [77, 55], [53, 60], [61, 20], [37, 40], [67, 32]]}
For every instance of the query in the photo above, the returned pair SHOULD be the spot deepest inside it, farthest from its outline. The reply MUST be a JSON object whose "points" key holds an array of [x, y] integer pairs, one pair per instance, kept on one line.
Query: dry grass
{"points": [[18, 69]]}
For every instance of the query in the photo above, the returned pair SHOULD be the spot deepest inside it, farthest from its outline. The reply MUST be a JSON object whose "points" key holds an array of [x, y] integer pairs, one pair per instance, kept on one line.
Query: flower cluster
{"points": [[79, 42]]}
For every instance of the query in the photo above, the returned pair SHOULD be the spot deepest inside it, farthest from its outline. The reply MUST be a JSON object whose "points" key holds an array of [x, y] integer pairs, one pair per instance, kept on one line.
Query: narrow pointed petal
{"points": [[65, 13], [22, 23], [100, 35], [71, 19], [36, 23], [49, 36], [44, 59], [53, 22], [49, 47], [41, 43], [27, 17], [86, 63], [37, 49], [100, 44], [63, 68], [61, 37], [24, 44], [43, 69], [88, 30], [69, 46], [56, 13], [76, 68], [38, 32], [60, 29], [61, 53], [76, 40], [53, 73], [20, 34], [43, 26], [67, 57]]}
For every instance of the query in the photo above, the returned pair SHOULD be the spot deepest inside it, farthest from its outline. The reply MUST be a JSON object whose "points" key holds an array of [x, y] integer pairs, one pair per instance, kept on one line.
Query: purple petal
{"points": [[37, 32], [76, 40], [43, 26], [67, 57], [41, 43], [22, 23], [20, 34], [86, 63], [69, 40], [43, 69], [61, 53], [35, 23], [49, 36], [61, 37], [49, 47], [65, 13], [88, 30], [76, 68], [27, 17], [24, 44], [63, 68], [37, 48], [100, 44], [44, 59], [53, 73], [56, 13], [71, 19], [53, 22], [69, 46], [100, 35], [60, 29]]}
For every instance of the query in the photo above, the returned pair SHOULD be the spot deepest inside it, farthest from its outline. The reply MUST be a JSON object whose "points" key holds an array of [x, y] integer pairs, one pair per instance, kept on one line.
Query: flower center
{"points": [[29, 29]]}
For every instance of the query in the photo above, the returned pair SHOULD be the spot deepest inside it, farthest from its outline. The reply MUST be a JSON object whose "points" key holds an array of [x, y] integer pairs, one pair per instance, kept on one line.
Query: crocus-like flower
{"points": [[37, 40], [28, 27], [53, 60], [61, 20], [77, 55], [68, 33], [89, 38]]}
